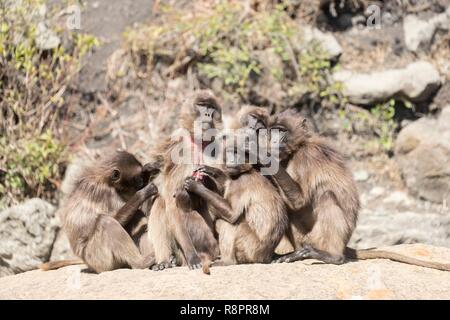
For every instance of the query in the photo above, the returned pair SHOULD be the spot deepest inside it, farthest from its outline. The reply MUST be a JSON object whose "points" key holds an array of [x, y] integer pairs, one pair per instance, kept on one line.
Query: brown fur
{"points": [[325, 213], [241, 120], [105, 199], [324, 210], [261, 224], [256, 236], [251, 213], [179, 220]]}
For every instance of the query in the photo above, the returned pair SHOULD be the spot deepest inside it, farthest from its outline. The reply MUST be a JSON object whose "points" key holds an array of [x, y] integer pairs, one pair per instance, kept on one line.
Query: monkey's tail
{"points": [[53, 265], [381, 254]]}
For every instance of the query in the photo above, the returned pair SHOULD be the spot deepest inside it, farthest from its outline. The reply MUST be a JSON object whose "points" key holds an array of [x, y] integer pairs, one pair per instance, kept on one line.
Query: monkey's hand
{"points": [[209, 171], [183, 200], [150, 170], [148, 191], [152, 167], [192, 185]]}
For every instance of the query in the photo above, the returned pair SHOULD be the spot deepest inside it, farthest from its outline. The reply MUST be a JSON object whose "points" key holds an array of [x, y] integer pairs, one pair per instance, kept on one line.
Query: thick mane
{"points": [[299, 133], [92, 180]]}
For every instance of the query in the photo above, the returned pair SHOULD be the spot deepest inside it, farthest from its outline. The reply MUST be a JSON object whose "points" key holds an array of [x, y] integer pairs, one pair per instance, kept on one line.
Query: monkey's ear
{"points": [[115, 175]]}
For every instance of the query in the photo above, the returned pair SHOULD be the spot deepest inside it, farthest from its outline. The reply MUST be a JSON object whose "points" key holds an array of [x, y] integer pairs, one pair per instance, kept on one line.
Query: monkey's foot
{"points": [[195, 266], [173, 261], [165, 264], [194, 262], [276, 257], [298, 255], [308, 252], [161, 266]]}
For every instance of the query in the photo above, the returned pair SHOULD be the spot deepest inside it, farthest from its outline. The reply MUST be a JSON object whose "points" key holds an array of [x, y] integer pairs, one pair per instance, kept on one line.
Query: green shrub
{"points": [[33, 87], [384, 114], [32, 167], [379, 121], [224, 43]]}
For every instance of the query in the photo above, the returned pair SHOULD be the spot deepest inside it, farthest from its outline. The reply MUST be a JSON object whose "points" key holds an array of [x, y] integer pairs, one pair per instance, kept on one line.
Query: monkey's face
{"points": [[253, 127], [287, 133], [208, 115], [127, 182], [253, 122], [279, 139], [127, 175], [200, 113]]}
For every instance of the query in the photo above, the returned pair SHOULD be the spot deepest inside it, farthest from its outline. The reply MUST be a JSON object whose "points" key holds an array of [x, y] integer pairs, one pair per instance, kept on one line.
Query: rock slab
{"points": [[374, 279]]}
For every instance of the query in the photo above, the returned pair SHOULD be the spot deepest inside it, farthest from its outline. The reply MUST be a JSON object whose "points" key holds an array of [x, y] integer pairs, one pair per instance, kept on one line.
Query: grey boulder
{"points": [[419, 33], [422, 151], [27, 234], [416, 82], [325, 39], [382, 227]]}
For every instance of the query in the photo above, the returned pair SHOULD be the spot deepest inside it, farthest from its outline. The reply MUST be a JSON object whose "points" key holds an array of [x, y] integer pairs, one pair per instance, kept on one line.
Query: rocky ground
{"points": [[376, 279]]}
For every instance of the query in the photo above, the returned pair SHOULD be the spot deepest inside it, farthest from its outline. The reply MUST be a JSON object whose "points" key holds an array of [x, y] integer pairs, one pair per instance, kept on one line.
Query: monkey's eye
{"points": [[278, 136], [115, 175], [279, 128], [201, 110], [211, 113]]}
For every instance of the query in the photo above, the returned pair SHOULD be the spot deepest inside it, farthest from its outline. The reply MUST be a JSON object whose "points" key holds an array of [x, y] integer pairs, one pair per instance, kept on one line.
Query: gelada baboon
{"points": [[321, 196], [180, 220], [251, 213], [104, 200]]}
